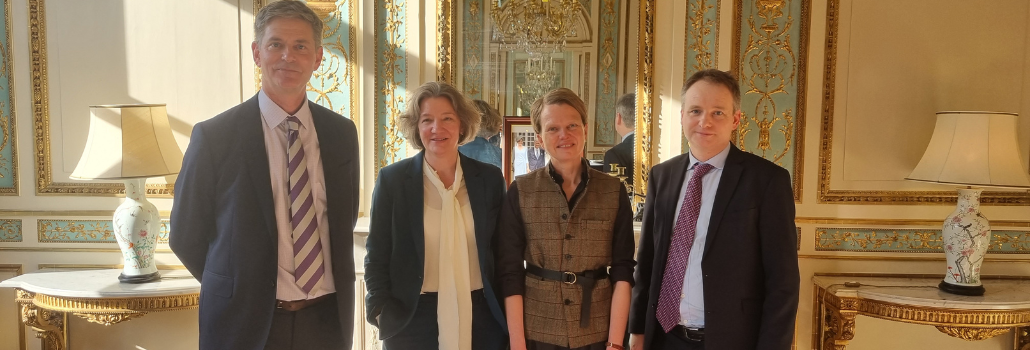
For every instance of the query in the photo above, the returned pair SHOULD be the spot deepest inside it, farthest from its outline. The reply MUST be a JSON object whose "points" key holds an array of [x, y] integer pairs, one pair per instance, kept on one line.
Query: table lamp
{"points": [[970, 149], [131, 143]]}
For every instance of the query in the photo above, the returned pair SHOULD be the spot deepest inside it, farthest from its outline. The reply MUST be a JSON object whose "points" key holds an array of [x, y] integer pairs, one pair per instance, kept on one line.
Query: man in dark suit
{"points": [[266, 203], [717, 262], [622, 154]]}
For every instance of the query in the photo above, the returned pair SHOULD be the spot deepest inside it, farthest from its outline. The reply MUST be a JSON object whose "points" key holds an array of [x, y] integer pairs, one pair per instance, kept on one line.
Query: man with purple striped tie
{"points": [[717, 261], [266, 203]]}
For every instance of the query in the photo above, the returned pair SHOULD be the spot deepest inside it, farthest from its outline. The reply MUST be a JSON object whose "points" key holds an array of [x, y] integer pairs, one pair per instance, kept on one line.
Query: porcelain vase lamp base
{"points": [[136, 226], [966, 235]]}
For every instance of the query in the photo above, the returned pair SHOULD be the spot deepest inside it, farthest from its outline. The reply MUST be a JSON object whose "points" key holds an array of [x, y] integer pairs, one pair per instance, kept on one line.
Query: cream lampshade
{"points": [[131, 143], [970, 149]]}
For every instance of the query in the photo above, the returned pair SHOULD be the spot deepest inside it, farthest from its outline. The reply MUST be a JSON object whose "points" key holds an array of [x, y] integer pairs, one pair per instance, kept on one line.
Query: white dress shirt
{"points": [[276, 146], [692, 300]]}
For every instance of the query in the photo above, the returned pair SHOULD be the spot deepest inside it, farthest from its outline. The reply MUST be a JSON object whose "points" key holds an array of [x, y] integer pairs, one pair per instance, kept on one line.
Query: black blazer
{"points": [[395, 257], [224, 220], [621, 154], [749, 266]]}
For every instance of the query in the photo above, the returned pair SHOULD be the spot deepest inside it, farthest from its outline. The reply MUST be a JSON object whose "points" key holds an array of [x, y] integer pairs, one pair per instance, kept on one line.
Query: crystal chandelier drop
{"points": [[538, 28]]}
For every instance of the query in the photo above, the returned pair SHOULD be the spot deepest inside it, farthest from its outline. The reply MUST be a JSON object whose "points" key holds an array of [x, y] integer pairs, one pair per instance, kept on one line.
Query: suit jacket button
{"points": [[568, 236], [564, 216], [568, 302], [568, 256]]}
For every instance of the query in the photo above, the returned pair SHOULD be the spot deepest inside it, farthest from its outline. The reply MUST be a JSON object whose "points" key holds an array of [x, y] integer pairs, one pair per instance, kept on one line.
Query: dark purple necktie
{"points": [[683, 233]]}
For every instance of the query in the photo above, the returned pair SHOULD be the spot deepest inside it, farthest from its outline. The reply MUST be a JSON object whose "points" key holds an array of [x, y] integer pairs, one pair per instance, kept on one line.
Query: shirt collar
{"points": [[627, 136], [273, 115], [718, 161], [434, 178], [560, 180]]}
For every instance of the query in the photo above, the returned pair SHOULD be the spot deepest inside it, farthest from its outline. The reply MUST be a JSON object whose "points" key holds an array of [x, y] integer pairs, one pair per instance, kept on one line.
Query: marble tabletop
{"points": [[103, 284], [1002, 294]]}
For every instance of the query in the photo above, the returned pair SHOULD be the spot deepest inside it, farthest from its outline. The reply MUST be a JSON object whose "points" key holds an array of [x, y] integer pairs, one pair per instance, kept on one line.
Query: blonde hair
{"points": [[491, 124], [468, 115], [554, 97]]}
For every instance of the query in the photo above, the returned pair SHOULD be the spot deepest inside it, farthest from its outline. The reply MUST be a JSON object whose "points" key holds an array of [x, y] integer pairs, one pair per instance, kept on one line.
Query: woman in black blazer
{"points": [[429, 268]]}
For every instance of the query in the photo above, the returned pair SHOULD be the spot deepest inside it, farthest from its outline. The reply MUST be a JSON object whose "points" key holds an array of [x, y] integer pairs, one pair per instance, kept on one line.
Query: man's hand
{"points": [[636, 342]]}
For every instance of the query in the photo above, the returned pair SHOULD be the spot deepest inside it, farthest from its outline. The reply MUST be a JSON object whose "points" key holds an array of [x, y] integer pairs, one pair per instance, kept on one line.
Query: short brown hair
{"points": [[468, 115], [491, 124], [554, 97], [718, 77], [287, 9]]}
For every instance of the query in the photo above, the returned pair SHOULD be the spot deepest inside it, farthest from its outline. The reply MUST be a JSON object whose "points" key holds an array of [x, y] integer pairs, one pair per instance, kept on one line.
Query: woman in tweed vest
{"points": [[565, 242]]}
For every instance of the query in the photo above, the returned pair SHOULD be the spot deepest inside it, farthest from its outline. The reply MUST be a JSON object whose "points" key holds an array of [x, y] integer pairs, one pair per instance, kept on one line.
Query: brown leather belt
{"points": [[296, 305]]}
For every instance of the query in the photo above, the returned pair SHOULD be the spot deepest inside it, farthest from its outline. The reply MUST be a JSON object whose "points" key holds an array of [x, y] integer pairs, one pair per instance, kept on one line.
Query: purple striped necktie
{"points": [[668, 312], [307, 247]]}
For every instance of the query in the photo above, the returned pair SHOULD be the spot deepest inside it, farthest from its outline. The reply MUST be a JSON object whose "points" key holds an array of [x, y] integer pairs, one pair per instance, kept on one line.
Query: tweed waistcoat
{"points": [[563, 240]]}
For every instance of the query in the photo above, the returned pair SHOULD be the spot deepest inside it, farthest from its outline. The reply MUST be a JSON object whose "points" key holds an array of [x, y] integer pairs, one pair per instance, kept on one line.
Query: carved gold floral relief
{"points": [[770, 53]]}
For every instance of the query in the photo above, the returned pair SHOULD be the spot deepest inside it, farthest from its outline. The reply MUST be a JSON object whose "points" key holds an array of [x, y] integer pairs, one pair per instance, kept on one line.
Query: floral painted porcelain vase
{"points": [[967, 234], [136, 225]]}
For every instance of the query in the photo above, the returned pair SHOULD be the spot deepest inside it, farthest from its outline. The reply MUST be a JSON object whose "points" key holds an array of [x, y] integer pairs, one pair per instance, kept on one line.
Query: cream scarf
{"points": [[454, 297]]}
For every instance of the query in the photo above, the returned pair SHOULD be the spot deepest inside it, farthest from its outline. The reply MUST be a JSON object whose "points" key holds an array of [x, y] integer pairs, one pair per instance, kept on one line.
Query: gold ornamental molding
{"points": [[901, 258], [646, 128], [972, 333], [828, 195], [901, 222], [45, 184], [116, 306], [322, 8], [445, 41], [9, 123]]}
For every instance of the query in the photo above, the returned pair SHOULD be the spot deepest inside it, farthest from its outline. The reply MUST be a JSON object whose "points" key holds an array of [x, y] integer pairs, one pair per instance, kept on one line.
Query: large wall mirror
{"points": [[509, 52]]}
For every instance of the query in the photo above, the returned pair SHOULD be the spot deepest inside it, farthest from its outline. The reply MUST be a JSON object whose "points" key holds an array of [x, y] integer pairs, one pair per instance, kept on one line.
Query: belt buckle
{"points": [[279, 304], [687, 331], [567, 279]]}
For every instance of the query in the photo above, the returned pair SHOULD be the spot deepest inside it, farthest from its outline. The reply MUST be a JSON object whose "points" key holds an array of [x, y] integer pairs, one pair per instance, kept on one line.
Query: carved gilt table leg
{"points": [[49, 325], [1022, 338], [838, 322]]}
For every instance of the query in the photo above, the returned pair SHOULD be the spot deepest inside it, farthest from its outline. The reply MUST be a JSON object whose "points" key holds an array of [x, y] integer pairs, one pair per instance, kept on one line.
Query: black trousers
{"points": [[316, 327], [422, 332], [669, 341]]}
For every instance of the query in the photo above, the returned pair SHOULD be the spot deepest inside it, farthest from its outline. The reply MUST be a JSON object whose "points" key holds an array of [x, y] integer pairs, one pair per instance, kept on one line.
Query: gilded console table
{"points": [[46, 298], [838, 299]]}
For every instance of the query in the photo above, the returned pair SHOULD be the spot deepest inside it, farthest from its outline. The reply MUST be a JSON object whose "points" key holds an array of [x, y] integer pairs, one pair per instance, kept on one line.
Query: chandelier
{"points": [[538, 28]]}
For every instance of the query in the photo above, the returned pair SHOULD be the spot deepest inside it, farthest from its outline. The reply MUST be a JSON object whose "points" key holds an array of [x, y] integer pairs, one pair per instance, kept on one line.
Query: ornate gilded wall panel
{"points": [[769, 58], [391, 69], [10, 230], [826, 194], [8, 144], [701, 45], [646, 126], [445, 39], [607, 66], [85, 231], [909, 240], [334, 84], [473, 15]]}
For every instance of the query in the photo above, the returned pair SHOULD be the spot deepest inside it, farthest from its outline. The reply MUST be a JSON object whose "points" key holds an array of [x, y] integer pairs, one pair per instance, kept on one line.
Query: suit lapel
{"points": [[667, 201], [252, 148], [727, 185], [475, 186], [414, 198]]}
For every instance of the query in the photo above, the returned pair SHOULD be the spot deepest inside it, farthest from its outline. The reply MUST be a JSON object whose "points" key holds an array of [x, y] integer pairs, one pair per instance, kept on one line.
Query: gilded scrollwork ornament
{"points": [[110, 319], [972, 333]]}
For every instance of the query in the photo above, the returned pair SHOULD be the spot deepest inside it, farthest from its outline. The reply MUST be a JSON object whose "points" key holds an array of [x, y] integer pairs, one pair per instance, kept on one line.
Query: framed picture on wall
{"points": [[520, 151]]}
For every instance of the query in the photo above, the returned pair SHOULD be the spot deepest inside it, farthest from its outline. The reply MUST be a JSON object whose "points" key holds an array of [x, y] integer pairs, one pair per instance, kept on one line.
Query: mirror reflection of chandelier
{"points": [[538, 28]]}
